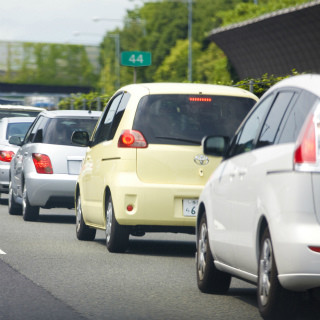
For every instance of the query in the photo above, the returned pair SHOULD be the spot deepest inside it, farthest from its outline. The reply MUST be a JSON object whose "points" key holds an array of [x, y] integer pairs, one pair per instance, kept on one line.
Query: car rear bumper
{"points": [[51, 190], [152, 204], [4, 177], [297, 264]]}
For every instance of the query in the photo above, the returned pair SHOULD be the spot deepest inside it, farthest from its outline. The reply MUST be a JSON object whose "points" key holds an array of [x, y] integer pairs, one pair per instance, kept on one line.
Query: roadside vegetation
{"points": [[160, 28]]}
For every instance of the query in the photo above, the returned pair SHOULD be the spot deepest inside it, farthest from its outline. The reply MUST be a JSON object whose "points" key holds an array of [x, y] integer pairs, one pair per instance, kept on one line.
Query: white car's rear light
{"points": [[6, 156], [42, 163], [307, 152]]}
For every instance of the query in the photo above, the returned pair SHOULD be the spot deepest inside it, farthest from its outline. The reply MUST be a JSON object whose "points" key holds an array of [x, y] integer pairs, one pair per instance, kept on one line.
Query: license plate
{"points": [[190, 207]]}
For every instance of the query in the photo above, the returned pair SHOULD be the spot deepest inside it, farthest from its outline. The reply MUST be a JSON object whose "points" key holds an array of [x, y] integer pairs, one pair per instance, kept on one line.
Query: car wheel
{"points": [[117, 237], [13, 206], [274, 301], [29, 213], [209, 278], [82, 230]]}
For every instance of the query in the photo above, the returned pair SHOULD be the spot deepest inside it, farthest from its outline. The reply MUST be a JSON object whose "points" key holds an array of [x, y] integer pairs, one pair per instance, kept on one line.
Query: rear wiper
{"points": [[180, 139]]}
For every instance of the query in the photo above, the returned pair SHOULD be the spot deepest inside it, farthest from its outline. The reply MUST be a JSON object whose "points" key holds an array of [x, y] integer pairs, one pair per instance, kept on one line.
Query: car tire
{"points": [[82, 230], [13, 207], [117, 236], [29, 213], [209, 278], [274, 302]]}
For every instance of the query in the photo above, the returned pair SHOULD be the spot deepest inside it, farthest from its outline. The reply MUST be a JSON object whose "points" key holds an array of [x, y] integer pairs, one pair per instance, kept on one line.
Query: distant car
{"points": [[8, 110], [9, 127], [144, 168], [44, 171], [259, 214]]}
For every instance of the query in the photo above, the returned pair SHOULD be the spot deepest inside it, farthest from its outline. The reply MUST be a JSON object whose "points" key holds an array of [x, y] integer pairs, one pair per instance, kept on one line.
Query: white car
{"points": [[44, 171], [8, 110], [9, 127], [258, 217]]}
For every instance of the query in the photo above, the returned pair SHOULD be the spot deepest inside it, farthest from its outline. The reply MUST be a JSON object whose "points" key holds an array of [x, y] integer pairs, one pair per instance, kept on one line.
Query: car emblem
{"points": [[201, 159]]}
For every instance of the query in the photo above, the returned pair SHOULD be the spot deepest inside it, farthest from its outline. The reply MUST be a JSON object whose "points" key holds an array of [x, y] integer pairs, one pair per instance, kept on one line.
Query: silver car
{"points": [[9, 127], [45, 169]]}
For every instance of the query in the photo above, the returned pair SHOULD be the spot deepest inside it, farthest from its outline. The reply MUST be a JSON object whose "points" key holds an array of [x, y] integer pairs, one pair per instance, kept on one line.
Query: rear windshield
{"points": [[186, 119], [59, 130], [18, 113], [17, 129]]}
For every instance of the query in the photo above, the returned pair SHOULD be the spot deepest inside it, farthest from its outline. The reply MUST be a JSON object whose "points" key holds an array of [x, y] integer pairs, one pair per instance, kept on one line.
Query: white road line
{"points": [[2, 252]]}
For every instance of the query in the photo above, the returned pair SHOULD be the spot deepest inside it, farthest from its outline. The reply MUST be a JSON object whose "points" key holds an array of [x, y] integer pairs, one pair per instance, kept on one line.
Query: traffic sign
{"points": [[136, 58]]}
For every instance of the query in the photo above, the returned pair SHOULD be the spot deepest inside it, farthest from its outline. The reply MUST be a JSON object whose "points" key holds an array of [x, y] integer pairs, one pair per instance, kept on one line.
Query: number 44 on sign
{"points": [[136, 58]]}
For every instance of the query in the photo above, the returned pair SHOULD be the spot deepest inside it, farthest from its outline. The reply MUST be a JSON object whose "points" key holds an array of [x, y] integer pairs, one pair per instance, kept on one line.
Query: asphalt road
{"points": [[46, 273]]}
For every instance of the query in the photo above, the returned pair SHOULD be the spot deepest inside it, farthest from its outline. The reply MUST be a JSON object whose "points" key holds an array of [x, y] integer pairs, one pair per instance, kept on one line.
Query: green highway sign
{"points": [[136, 58]]}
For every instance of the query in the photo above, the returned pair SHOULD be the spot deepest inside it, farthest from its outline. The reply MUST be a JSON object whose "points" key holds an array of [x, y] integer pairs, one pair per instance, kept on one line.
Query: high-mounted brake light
{"points": [[306, 152], [42, 163], [200, 99], [6, 156], [132, 139]]}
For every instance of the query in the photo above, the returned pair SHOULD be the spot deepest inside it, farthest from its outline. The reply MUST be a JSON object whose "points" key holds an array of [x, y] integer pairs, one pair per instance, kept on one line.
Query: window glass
{"points": [[38, 124], [17, 129], [274, 118], [105, 125], [59, 130], [119, 114], [181, 119], [291, 126], [244, 141]]}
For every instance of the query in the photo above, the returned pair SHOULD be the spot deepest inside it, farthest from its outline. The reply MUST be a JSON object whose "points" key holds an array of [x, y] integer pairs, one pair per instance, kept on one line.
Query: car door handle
{"points": [[25, 154]]}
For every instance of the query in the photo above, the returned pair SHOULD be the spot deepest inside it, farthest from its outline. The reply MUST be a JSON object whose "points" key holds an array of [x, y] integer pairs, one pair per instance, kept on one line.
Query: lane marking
{"points": [[2, 252]]}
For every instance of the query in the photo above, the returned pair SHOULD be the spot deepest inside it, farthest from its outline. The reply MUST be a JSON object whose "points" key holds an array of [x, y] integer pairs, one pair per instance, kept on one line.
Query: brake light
{"points": [[6, 156], [200, 99], [42, 163], [132, 139], [315, 249], [306, 151]]}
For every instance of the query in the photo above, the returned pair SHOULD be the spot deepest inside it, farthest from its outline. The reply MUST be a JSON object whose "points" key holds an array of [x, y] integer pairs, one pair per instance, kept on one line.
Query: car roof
{"points": [[71, 113], [309, 82], [186, 88], [17, 119], [15, 107]]}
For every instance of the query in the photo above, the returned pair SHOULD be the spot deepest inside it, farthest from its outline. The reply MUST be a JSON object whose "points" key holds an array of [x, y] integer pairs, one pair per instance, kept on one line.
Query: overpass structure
{"points": [[274, 43]]}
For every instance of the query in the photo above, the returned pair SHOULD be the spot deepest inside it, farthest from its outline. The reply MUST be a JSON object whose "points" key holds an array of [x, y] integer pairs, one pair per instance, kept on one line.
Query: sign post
{"points": [[135, 59]]}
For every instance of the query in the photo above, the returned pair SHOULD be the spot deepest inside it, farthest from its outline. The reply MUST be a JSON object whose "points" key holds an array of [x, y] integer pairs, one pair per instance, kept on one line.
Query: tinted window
{"points": [[38, 124], [59, 130], [274, 118], [292, 124], [244, 141], [118, 115], [17, 129], [185, 119], [105, 124]]}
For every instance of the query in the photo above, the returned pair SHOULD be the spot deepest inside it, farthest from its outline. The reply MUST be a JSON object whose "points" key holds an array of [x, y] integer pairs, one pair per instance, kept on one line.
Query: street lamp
{"points": [[116, 37]]}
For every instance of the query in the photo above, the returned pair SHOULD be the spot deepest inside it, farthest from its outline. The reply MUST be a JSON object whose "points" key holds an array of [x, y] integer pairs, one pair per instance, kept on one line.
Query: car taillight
{"points": [[306, 153], [132, 139], [42, 163], [6, 156]]}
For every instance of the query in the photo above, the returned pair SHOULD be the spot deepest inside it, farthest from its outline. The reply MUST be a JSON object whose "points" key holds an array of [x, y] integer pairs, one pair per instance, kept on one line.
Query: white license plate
{"points": [[190, 207]]}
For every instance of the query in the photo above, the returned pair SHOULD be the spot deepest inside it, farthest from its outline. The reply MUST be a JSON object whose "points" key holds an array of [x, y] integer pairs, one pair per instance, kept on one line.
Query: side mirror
{"points": [[16, 140], [215, 145], [81, 138]]}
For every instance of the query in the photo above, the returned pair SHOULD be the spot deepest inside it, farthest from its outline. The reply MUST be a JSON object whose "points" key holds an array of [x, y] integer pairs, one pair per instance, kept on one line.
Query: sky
{"points": [[61, 21]]}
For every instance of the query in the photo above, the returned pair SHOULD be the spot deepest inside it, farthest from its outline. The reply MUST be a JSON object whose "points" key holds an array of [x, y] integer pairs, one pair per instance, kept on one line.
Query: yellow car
{"points": [[144, 168]]}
